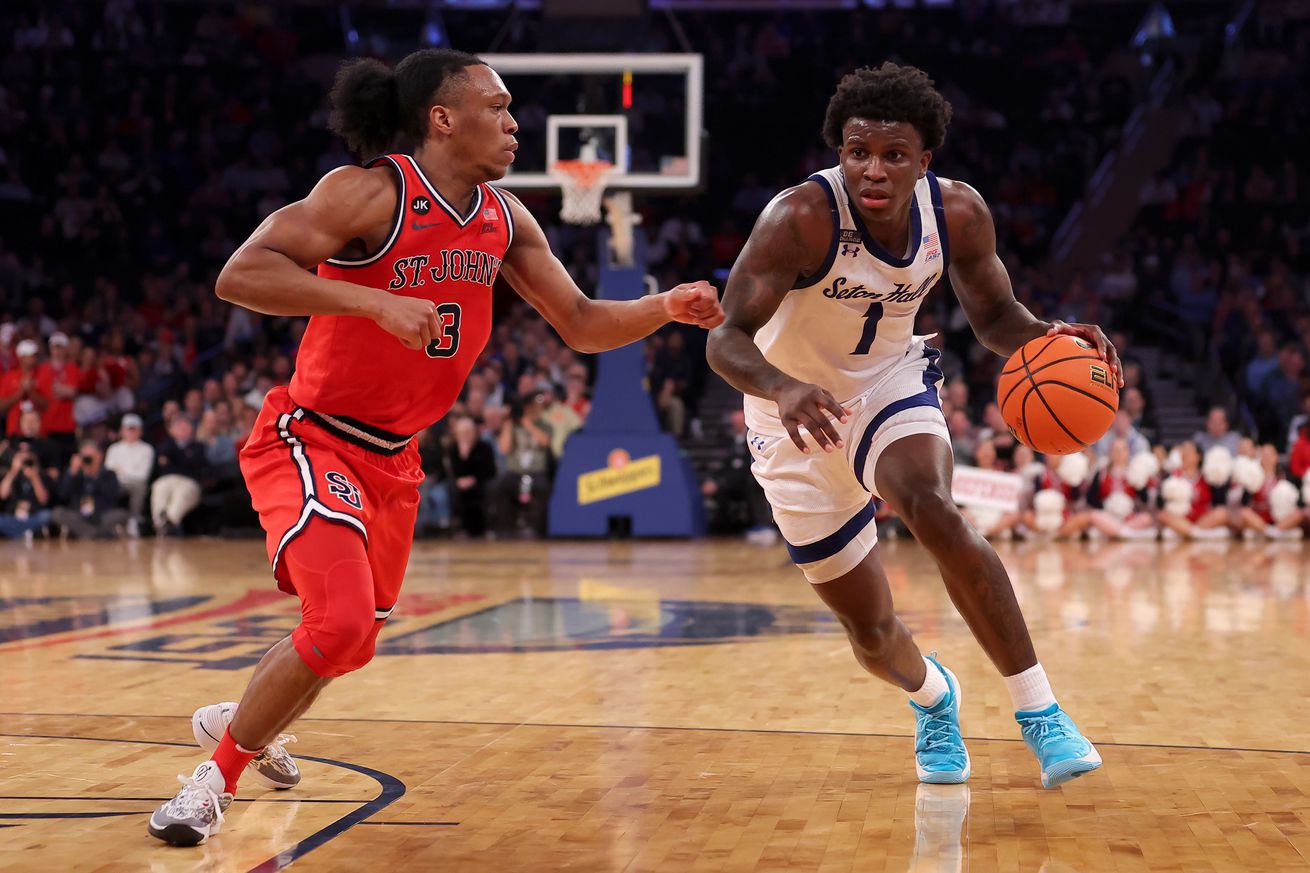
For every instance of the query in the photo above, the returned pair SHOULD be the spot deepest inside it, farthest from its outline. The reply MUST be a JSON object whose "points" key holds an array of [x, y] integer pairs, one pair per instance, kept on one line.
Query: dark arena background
{"points": [[604, 658]]}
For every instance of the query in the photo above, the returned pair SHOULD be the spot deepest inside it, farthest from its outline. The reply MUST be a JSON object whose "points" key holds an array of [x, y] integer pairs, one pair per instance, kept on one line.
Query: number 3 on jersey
{"points": [[445, 345]]}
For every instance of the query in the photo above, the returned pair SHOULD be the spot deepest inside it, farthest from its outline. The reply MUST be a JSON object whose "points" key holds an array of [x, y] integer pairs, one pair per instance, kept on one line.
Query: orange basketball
{"points": [[1057, 395]]}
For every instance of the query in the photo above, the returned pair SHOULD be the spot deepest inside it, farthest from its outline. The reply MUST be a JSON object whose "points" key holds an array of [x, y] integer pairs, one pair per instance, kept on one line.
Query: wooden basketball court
{"points": [[671, 706]]}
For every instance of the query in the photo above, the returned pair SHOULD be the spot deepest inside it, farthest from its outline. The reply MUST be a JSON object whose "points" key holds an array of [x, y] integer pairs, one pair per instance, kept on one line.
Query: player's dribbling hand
{"points": [[803, 405], [694, 303], [412, 320], [1094, 335]]}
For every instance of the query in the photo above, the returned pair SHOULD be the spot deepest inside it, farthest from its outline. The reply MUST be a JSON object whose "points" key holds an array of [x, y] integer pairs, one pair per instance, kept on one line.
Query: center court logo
{"points": [[234, 635]]}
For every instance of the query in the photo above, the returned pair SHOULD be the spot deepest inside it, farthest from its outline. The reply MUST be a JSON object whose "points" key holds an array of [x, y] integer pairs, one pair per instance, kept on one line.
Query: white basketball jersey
{"points": [[845, 327]]}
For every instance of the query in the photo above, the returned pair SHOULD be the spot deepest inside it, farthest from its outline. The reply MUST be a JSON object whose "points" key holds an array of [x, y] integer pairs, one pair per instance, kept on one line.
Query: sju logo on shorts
{"points": [[341, 487]]}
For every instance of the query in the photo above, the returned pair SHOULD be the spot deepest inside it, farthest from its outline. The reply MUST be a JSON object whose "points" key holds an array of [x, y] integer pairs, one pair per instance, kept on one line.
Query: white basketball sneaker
{"points": [[273, 768], [196, 812]]}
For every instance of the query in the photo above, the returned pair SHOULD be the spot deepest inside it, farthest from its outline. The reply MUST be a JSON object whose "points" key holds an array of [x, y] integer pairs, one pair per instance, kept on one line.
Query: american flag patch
{"points": [[489, 214], [933, 246]]}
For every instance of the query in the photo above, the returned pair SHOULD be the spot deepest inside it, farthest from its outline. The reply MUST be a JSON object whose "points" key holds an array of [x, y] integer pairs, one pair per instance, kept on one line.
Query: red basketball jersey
{"points": [[347, 366]]}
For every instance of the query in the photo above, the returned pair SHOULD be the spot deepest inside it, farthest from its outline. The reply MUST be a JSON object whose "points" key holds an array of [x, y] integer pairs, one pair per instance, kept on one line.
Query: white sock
{"points": [[1030, 690], [934, 687]]}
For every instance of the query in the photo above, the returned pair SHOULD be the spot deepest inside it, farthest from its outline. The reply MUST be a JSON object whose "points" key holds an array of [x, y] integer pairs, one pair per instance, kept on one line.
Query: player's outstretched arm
{"points": [[982, 283], [789, 240], [594, 325], [269, 273]]}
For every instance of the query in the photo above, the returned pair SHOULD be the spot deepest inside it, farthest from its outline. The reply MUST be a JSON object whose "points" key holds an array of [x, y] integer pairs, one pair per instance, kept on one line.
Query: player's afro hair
{"points": [[889, 92], [373, 104]]}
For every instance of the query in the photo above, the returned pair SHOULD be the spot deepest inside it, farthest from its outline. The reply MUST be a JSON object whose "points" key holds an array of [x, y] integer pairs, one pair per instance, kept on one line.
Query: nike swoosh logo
{"points": [[416, 226]]}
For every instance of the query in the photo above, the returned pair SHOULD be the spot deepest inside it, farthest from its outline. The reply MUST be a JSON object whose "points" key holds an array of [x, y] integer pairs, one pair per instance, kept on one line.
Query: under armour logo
{"points": [[848, 250]]}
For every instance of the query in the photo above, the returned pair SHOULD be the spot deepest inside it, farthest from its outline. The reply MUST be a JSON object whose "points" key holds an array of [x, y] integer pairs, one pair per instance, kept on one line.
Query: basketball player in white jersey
{"points": [[819, 337]]}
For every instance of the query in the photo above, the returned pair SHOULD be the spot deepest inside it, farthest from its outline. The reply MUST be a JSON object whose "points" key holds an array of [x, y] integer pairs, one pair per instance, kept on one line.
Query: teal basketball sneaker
{"points": [[1063, 752], [939, 753]]}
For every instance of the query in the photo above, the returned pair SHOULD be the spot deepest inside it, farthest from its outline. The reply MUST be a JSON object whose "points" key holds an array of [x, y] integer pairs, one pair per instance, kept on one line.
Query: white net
{"points": [[582, 184]]}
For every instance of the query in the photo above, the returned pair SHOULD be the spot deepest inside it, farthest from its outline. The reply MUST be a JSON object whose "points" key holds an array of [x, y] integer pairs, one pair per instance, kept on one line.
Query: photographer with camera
{"points": [[24, 495], [88, 497]]}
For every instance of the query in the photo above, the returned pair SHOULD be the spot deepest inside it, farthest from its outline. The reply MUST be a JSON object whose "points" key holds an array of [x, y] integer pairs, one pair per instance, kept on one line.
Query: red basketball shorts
{"points": [[298, 470]]}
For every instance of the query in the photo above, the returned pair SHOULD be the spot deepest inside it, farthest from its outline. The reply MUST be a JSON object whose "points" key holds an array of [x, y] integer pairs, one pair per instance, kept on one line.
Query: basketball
{"points": [[1057, 395]]}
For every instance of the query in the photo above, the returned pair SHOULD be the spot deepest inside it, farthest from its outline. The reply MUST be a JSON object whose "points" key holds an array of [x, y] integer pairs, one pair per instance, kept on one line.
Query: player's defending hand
{"points": [[1094, 335], [694, 303], [803, 405], [413, 320]]}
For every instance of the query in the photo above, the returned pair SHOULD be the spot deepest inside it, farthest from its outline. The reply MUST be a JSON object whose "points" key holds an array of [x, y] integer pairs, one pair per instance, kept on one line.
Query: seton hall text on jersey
{"points": [[902, 293], [452, 265]]}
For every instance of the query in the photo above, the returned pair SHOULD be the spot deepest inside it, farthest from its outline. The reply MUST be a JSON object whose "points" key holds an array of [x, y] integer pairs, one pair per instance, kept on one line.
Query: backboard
{"points": [[642, 112]]}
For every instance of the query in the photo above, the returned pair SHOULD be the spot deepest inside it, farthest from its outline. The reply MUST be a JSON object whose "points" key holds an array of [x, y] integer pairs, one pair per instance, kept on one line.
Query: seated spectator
{"points": [[992, 523], [1258, 514], [1065, 518], [215, 433], [995, 429], [524, 486], [1200, 513], [563, 421], [131, 459], [668, 374], [97, 398], [1265, 361], [1278, 393], [180, 467], [470, 467], [493, 423], [434, 490], [88, 497], [1133, 402], [1122, 429], [575, 391], [963, 441], [1119, 510], [736, 500], [24, 495], [1216, 433]]}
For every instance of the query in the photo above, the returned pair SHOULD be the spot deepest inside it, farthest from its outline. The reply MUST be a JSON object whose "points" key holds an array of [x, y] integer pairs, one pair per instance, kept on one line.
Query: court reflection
{"points": [[941, 832]]}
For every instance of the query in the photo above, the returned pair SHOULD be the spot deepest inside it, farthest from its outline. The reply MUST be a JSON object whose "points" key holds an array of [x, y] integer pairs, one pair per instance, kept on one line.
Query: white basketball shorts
{"points": [[823, 502]]}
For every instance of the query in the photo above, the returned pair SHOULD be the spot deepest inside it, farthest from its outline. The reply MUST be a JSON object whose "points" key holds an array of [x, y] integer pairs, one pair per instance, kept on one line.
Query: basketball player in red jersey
{"points": [[406, 250]]}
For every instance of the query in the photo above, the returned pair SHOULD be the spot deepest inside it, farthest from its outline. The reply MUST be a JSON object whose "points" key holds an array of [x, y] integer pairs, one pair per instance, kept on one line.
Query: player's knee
{"points": [[330, 571], [337, 646], [873, 638], [928, 511]]}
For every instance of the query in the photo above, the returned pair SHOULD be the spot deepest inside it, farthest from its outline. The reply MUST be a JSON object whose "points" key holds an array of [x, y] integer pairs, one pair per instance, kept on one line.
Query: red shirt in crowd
{"points": [[10, 384], [58, 417]]}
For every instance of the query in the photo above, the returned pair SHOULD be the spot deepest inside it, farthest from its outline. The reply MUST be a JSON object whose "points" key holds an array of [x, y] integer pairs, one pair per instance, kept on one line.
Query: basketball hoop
{"points": [[582, 184]]}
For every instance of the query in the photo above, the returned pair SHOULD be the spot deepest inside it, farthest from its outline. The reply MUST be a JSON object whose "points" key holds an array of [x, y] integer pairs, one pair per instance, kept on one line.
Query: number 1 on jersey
{"points": [[447, 344], [871, 317]]}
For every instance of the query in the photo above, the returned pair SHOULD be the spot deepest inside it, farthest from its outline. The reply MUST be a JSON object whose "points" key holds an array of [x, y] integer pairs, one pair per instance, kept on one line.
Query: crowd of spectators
{"points": [[139, 143]]}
